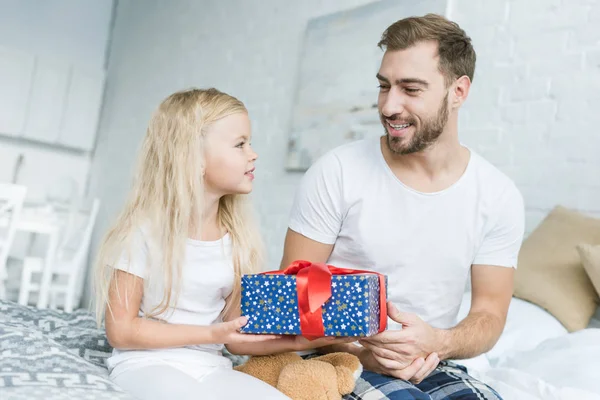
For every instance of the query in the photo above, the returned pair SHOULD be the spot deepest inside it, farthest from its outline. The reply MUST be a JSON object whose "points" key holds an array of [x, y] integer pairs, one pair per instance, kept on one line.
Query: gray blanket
{"points": [[48, 354]]}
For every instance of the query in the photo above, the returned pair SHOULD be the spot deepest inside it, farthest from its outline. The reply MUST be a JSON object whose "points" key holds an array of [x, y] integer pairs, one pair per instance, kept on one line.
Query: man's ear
{"points": [[459, 91]]}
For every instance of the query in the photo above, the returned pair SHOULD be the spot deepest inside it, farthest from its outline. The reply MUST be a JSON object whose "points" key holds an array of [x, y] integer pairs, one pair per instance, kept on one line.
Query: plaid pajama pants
{"points": [[449, 381]]}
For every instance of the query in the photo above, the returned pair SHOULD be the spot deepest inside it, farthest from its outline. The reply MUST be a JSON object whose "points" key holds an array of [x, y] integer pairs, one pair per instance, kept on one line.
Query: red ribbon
{"points": [[313, 285]]}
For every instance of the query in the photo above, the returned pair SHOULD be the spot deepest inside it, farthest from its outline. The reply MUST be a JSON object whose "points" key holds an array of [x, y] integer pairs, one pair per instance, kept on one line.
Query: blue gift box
{"points": [[271, 303]]}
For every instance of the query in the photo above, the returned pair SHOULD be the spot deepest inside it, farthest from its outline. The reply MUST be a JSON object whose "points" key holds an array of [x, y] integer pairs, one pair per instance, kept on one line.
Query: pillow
{"points": [[550, 273], [527, 325], [590, 258]]}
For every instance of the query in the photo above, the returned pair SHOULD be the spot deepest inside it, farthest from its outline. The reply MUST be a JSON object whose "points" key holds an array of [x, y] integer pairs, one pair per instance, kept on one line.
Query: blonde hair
{"points": [[168, 193], [457, 56]]}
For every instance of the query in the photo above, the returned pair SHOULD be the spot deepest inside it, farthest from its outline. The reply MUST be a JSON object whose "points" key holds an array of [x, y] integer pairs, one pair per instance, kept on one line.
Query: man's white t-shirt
{"points": [[424, 242], [207, 280]]}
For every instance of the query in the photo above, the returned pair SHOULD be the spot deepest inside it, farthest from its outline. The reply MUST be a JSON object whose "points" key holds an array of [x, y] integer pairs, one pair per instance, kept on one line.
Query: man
{"points": [[418, 206]]}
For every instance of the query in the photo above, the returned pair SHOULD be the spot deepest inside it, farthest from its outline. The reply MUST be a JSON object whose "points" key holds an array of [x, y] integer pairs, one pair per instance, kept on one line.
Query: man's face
{"points": [[413, 98]]}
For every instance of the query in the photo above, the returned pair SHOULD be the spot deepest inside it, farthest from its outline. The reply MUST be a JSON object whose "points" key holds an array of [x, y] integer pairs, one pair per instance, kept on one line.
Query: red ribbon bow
{"points": [[313, 285]]}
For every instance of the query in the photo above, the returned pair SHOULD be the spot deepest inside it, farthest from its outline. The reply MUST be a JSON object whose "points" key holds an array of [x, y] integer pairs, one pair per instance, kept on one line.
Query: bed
{"points": [[536, 358], [49, 354]]}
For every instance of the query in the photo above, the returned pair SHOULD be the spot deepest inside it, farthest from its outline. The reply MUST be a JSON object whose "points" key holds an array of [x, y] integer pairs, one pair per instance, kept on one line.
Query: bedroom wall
{"points": [[70, 31], [532, 107], [531, 110], [65, 29]]}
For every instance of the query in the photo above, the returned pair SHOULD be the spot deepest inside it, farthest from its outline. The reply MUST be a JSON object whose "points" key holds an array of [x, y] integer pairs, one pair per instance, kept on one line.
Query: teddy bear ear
{"points": [[345, 379], [347, 368], [347, 360]]}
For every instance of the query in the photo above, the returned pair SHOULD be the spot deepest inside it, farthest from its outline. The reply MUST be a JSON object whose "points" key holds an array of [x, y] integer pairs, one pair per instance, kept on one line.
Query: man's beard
{"points": [[429, 132]]}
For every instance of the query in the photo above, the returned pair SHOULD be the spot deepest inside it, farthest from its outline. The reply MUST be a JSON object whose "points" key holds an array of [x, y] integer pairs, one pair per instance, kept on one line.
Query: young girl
{"points": [[168, 272]]}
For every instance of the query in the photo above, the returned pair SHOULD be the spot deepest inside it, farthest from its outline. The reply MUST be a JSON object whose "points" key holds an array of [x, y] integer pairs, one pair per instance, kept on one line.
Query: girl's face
{"points": [[229, 167]]}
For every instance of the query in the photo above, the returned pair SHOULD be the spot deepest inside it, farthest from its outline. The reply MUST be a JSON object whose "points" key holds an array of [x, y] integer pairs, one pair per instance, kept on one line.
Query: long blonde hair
{"points": [[167, 192]]}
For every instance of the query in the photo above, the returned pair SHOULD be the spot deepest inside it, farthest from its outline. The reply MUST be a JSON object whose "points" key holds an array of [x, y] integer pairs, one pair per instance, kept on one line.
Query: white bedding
{"points": [[536, 358]]}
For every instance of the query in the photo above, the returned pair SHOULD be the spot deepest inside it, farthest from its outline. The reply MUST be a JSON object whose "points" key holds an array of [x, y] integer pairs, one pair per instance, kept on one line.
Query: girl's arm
{"points": [[283, 344], [126, 330]]}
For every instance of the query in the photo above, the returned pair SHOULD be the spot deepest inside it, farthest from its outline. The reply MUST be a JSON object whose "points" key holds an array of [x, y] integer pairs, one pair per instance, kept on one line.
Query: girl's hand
{"points": [[228, 333]]}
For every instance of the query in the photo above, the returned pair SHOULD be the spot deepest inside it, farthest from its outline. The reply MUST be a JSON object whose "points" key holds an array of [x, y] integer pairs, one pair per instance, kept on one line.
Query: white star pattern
{"points": [[272, 303]]}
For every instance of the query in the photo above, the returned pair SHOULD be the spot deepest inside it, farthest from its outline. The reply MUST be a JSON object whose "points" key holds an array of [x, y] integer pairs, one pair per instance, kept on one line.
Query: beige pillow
{"points": [[590, 258], [550, 273]]}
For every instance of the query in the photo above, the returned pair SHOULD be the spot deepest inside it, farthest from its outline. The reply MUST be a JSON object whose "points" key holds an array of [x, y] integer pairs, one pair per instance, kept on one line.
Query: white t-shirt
{"points": [[424, 242], [207, 279]]}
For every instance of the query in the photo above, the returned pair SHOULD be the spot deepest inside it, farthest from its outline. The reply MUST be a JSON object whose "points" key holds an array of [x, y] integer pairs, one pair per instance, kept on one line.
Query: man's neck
{"points": [[433, 169]]}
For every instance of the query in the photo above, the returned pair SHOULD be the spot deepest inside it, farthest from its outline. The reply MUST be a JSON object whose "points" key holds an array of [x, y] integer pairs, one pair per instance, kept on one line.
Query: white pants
{"points": [[155, 382]]}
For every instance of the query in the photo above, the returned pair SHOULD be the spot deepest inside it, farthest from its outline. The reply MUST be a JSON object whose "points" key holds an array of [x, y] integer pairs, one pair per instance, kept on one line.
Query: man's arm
{"points": [[492, 289], [299, 247], [477, 333]]}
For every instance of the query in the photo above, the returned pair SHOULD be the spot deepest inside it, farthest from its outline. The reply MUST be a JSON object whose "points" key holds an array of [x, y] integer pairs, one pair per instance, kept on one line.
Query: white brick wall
{"points": [[533, 111], [538, 85]]}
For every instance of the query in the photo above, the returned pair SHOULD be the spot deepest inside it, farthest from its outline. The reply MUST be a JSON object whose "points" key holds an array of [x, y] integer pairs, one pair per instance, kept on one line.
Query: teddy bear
{"points": [[326, 377]]}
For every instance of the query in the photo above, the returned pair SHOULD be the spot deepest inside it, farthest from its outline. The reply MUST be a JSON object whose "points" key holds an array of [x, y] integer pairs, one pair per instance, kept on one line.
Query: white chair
{"points": [[12, 198], [68, 269]]}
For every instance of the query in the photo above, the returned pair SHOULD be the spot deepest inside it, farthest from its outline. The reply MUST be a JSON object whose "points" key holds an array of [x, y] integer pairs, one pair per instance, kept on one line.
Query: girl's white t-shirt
{"points": [[207, 280]]}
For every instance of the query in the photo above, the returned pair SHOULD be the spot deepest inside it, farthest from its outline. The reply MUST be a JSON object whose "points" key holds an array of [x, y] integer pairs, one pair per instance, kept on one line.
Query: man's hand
{"points": [[401, 348], [418, 370]]}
